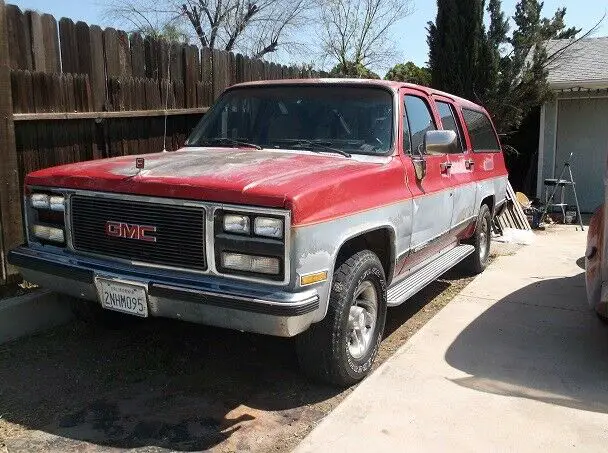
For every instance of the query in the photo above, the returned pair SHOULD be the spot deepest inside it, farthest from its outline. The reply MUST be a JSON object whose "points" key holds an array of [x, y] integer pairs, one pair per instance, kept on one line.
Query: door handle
{"points": [[445, 167], [470, 163]]}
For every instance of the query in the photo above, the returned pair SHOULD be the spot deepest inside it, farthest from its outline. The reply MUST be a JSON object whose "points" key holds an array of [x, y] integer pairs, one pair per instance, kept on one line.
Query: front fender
{"points": [[315, 247]]}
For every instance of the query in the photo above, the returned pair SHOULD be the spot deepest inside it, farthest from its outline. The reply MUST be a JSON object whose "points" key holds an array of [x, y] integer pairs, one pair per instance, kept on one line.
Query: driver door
{"points": [[433, 195]]}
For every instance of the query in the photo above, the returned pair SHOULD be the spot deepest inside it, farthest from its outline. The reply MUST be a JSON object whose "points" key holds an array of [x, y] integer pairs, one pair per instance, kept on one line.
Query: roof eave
{"points": [[596, 84]]}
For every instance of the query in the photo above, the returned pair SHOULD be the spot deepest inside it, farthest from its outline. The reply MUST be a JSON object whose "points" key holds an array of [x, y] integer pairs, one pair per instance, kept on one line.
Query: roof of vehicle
{"points": [[374, 82]]}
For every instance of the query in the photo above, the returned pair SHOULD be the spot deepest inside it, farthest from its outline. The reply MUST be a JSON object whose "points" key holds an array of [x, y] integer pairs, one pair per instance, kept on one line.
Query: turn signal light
{"points": [[310, 279]]}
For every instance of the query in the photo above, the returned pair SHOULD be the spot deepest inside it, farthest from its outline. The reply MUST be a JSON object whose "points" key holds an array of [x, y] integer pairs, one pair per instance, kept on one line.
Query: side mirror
{"points": [[440, 142]]}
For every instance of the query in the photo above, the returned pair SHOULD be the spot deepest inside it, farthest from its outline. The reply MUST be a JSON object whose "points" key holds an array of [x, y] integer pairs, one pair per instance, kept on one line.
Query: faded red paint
{"points": [[314, 187]]}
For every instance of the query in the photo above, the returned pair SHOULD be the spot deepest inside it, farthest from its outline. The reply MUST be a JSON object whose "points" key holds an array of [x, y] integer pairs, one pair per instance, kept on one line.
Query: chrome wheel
{"points": [[484, 238], [362, 320]]}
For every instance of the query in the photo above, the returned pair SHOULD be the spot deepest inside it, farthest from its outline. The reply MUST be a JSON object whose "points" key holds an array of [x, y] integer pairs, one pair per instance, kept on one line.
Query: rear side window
{"points": [[420, 119], [480, 128], [449, 121]]}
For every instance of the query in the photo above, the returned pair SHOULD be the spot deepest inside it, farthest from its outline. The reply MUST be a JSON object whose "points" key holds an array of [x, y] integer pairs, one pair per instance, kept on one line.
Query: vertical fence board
{"points": [[124, 54], [231, 69], [190, 75], [19, 38], [207, 75], [68, 45], [110, 45], [50, 34], [152, 54], [138, 58], [176, 61], [179, 92], [83, 46], [38, 50], [220, 72], [164, 66], [97, 76], [10, 195]]}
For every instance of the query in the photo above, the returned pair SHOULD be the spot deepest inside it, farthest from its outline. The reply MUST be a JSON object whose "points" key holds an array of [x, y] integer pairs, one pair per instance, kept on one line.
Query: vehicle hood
{"points": [[268, 178]]}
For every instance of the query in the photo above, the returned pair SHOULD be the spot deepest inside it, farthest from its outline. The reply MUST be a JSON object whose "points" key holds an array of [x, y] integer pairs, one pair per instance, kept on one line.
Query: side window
{"points": [[450, 121], [407, 140], [480, 128], [420, 120]]}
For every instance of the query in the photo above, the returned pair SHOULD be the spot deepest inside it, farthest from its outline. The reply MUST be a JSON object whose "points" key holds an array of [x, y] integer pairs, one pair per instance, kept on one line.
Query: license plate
{"points": [[123, 297]]}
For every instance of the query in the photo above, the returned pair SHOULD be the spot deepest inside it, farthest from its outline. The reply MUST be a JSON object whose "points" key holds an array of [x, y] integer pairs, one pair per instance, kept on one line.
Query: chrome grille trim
{"points": [[180, 238], [210, 209]]}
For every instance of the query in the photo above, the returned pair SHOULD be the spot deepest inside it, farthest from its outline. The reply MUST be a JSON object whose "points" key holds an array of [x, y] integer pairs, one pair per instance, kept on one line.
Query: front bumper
{"points": [[180, 295]]}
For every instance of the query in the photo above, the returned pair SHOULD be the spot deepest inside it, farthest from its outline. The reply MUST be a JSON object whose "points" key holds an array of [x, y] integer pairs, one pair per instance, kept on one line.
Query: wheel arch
{"points": [[490, 202], [381, 240]]}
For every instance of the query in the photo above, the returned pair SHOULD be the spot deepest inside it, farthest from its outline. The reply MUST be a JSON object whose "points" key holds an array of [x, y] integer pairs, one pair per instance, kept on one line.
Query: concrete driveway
{"points": [[517, 362]]}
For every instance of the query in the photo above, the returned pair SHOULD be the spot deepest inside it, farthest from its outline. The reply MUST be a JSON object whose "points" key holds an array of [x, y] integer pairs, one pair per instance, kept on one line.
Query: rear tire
{"points": [[477, 262], [341, 349]]}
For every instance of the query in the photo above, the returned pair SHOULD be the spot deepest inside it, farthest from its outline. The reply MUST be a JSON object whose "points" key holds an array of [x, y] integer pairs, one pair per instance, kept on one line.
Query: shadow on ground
{"points": [[162, 384], [542, 343], [159, 383]]}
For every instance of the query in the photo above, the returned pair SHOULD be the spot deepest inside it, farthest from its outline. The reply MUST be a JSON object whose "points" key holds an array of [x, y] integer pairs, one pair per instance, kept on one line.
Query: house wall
{"points": [[575, 122]]}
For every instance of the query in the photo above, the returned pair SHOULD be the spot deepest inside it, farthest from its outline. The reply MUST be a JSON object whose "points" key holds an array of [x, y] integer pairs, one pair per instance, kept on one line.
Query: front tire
{"points": [[477, 262], [341, 349]]}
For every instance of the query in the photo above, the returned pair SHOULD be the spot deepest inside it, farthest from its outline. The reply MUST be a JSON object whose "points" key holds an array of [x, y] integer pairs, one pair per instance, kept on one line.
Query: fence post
{"points": [[10, 196]]}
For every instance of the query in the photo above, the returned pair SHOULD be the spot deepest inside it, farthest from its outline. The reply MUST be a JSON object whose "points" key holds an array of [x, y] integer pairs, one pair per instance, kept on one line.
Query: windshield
{"points": [[341, 119]]}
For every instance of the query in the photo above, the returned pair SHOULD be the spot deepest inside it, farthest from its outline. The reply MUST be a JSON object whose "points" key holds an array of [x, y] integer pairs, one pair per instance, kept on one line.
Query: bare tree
{"points": [[357, 33], [254, 27]]}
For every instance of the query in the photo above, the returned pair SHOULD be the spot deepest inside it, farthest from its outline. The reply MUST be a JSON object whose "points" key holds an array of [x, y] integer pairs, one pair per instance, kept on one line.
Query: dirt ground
{"points": [[165, 385]]}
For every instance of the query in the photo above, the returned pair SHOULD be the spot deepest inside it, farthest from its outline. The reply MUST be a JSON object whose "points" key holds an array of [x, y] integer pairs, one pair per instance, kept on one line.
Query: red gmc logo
{"points": [[130, 231]]}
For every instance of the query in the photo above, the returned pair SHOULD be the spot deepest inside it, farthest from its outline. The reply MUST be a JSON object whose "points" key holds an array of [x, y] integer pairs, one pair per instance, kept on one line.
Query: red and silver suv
{"points": [[296, 208]]}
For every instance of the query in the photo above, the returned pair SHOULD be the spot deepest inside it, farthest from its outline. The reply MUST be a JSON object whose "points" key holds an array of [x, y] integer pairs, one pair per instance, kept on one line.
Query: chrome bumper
{"points": [[179, 295]]}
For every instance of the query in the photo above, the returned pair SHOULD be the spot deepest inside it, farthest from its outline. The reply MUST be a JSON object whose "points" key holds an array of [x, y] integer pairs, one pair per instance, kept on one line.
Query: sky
{"points": [[410, 32]]}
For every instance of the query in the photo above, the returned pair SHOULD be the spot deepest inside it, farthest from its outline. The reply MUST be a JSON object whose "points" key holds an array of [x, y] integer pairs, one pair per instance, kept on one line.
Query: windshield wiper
{"points": [[230, 141], [316, 145]]}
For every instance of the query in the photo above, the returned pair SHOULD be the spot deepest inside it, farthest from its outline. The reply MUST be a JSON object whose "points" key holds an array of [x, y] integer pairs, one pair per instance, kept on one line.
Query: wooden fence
{"points": [[73, 92]]}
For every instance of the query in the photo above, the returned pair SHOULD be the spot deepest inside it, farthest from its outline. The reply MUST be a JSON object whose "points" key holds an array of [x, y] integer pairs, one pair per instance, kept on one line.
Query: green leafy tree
{"points": [[506, 74], [409, 73], [521, 83], [455, 40], [352, 70]]}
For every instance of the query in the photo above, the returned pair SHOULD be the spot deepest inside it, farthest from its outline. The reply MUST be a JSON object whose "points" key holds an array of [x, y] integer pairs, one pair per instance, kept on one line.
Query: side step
{"points": [[406, 288]]}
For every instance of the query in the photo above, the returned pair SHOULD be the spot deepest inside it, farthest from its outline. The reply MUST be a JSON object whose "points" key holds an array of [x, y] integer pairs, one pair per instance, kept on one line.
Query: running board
{"points": [[405, 289]]}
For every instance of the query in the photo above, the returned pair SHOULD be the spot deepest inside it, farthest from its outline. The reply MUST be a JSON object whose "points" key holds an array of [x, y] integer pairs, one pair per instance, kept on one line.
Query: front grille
{"points": [[180, 231]]}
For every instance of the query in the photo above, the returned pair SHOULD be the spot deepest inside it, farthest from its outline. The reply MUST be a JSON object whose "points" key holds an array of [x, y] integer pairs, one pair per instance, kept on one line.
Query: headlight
{"points": [[44, 201], [268, 227], [57, 203], [250, 263], [234, 223], [40, 201], [48, 233]]}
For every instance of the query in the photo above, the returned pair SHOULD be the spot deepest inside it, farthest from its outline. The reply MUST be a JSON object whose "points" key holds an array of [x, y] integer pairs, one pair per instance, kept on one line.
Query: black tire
{"points": [[324, 349], [90, 312], [477, 262]]}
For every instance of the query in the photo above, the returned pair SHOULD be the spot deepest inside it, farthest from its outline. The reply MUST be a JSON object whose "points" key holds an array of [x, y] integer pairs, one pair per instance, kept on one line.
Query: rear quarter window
{"points": [[483, 137]]}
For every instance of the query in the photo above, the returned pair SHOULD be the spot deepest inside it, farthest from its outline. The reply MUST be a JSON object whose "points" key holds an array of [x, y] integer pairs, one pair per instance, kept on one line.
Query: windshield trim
{"points": [[351, 84]]}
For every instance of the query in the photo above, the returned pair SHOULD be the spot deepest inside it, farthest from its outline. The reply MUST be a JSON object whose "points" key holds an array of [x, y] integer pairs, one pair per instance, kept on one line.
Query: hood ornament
{"points": [[140, 163]]}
